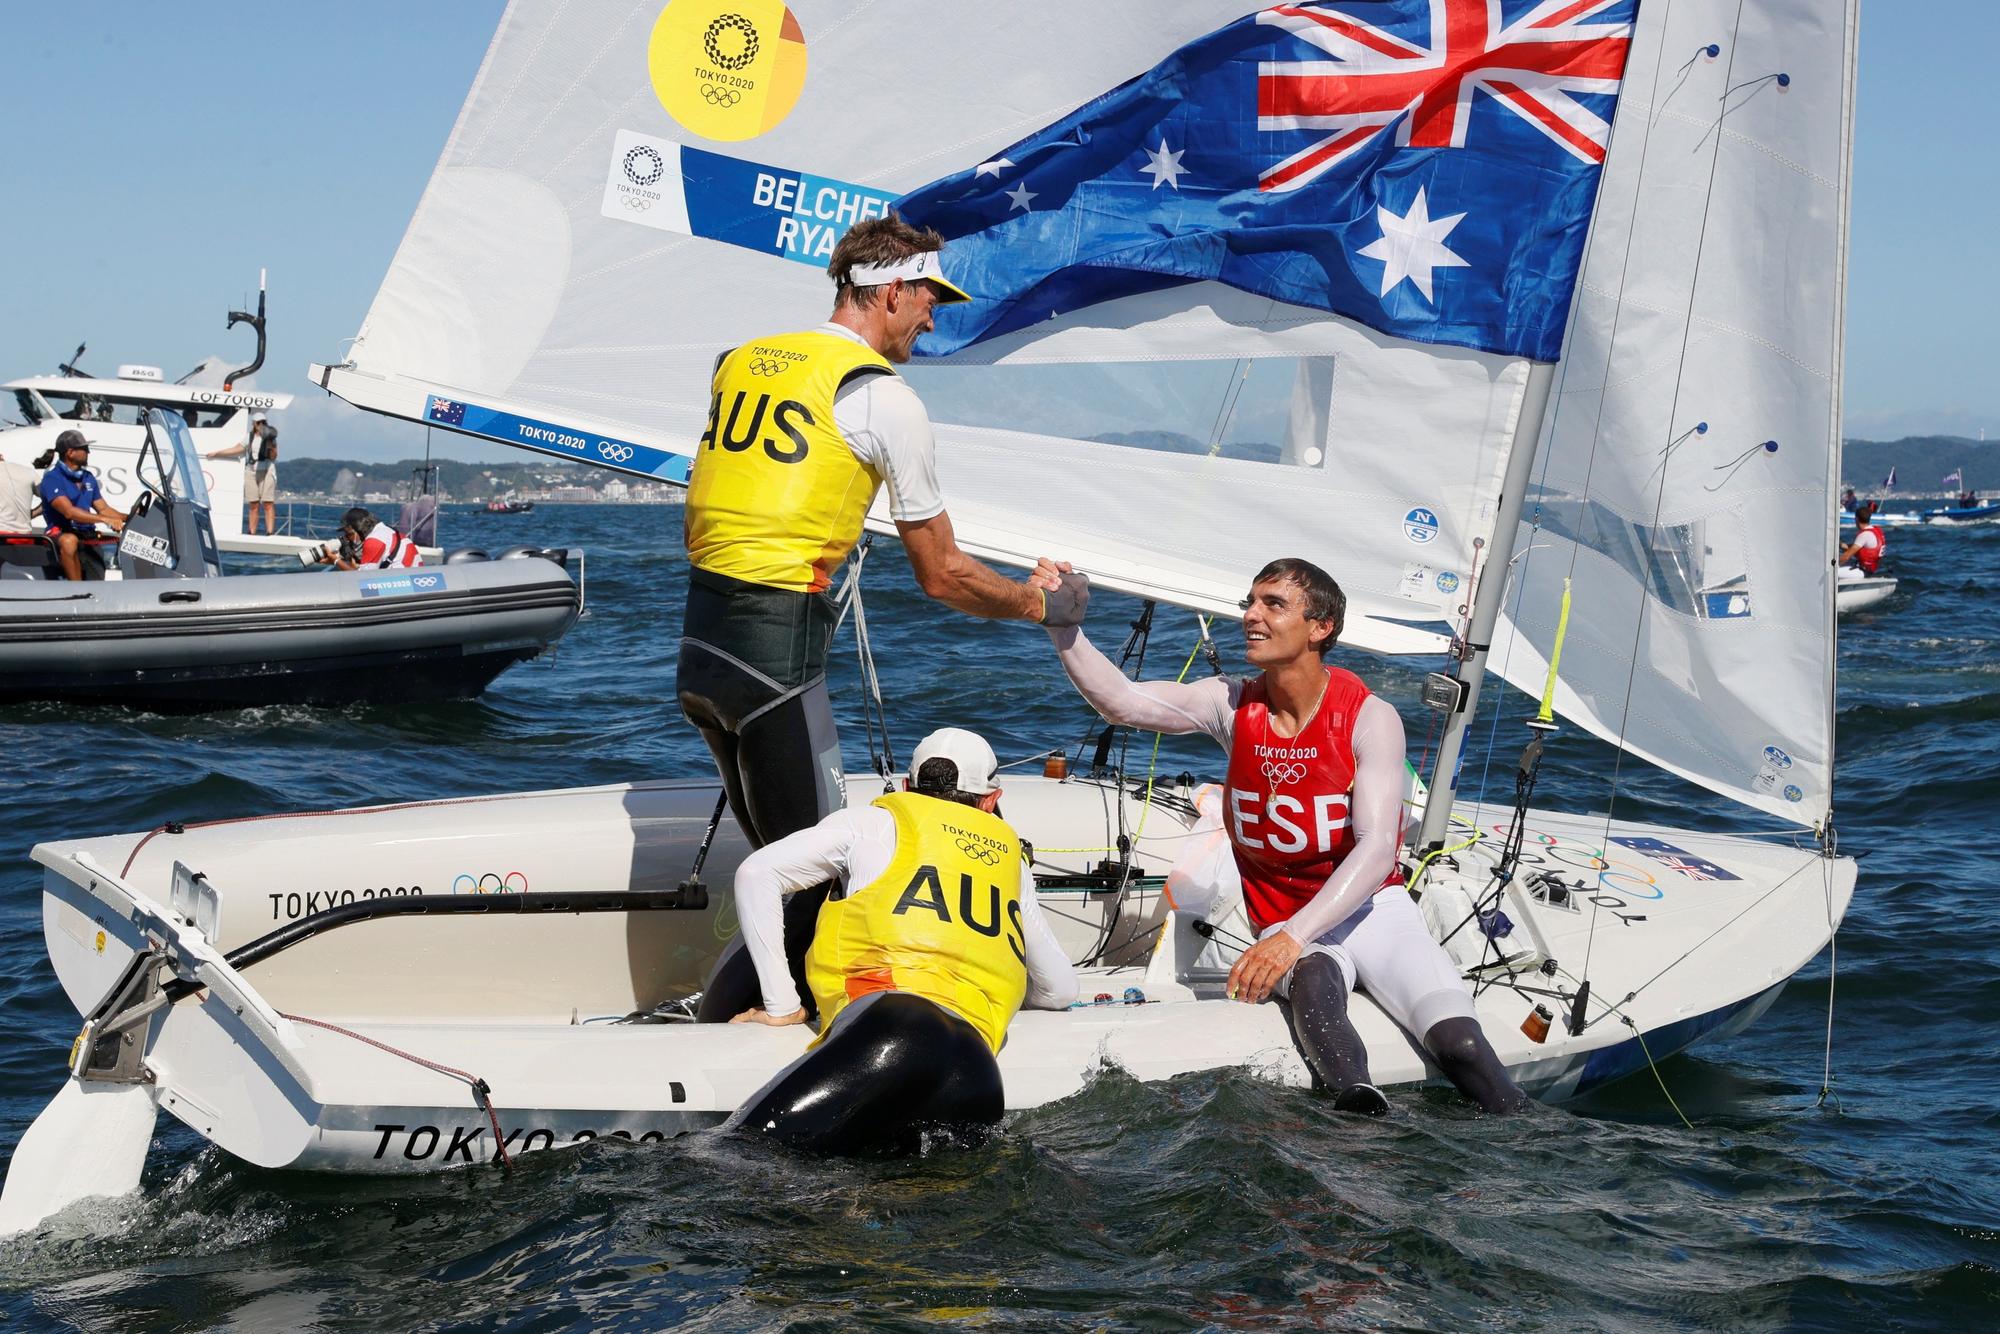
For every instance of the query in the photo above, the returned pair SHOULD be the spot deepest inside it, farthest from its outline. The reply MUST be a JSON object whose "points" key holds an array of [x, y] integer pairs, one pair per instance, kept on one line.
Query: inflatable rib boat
{"points": [[167, 629]]}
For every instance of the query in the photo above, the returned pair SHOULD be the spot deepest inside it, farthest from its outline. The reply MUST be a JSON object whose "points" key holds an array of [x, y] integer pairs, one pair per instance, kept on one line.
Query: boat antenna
{"points": [[256, 322], [70, 367]]}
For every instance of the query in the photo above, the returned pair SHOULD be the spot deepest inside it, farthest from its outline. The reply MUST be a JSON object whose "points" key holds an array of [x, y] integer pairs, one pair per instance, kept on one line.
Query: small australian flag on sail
{"points": [[445, 411], [1425, 167]]}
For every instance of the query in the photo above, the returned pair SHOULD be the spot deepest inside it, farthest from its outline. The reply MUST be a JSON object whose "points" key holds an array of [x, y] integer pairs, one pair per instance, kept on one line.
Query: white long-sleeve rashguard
{"points": [[1209, 707]]}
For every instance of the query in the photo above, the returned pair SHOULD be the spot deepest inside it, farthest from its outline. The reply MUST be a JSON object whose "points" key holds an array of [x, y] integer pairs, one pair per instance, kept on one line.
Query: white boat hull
{"points": [[1861, 594], [523, 1002]]}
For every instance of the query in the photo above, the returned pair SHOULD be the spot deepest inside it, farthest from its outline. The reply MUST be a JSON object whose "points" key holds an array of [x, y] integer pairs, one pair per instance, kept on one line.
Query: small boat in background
{"points": [[509, 506], [1963, 512], [165, 628]]}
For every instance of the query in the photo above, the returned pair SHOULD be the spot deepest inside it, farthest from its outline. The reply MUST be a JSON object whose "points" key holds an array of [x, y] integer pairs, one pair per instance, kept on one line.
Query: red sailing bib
{"points": [[1870, 558], [1287, 802]]}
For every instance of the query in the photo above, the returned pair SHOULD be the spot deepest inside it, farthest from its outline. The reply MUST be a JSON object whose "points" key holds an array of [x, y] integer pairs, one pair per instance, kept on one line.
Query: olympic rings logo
{"points": [[746, 31], [616, 453], [491, 882], [765, 366], [654, 168], [635, 203], [979, 852], [720, 97], [1283, 774]]}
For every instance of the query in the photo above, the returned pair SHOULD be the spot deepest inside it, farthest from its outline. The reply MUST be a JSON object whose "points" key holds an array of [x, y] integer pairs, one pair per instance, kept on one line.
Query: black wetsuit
{"points": [[892, 1068], [752, 678]]}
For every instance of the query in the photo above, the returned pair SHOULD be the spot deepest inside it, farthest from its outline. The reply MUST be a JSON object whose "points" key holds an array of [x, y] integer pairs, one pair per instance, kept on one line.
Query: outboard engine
{"points": [[560, 555]]}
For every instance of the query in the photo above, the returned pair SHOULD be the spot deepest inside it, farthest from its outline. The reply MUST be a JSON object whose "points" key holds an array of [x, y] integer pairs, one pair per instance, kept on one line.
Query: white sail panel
{"points": [[527, 289], [1707, 328]]}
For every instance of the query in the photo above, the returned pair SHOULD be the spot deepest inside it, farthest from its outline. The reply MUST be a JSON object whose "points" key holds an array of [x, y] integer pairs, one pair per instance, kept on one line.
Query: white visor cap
{"points": [[926, 266], [978, 771]]}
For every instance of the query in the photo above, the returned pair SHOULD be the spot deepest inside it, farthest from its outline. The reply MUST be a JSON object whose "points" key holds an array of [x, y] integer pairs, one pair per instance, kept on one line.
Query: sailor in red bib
{"points": [[1313, 806], [1868, 546]]}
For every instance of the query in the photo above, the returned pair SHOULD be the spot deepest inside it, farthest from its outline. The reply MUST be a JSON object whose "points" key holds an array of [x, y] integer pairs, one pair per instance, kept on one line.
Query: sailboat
{"points": [[626, 192]]}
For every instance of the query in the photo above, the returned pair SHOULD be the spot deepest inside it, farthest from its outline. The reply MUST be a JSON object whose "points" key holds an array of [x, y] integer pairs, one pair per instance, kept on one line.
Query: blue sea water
{"points": [[1211, 1202]]}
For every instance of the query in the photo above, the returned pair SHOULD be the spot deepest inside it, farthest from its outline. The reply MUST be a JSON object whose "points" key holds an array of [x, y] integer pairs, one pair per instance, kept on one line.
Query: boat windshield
{"points": [[177, 455]]}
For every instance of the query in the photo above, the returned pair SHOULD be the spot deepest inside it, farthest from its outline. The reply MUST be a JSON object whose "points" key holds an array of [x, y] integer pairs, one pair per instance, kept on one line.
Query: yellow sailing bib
{"points": [[777, 497], [943, 921]]}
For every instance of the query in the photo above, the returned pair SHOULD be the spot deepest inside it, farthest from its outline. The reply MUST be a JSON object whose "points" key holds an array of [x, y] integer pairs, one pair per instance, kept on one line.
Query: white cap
{"points": [[926, 266], [257, 416], [978, 771]]}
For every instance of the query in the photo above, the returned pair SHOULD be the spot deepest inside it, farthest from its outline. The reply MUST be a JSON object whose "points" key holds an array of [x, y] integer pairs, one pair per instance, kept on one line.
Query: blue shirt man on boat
{"points": [[73, 504]]}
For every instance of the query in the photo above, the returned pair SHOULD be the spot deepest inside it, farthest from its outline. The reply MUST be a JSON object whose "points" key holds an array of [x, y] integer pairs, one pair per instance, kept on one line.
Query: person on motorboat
{"points": [[1313, 809], [1968, 499], [1867, 548], [1847, 499], [18, 502], [260, 471], [73, 504], [367, 543], [918, 964], [803, 430]]}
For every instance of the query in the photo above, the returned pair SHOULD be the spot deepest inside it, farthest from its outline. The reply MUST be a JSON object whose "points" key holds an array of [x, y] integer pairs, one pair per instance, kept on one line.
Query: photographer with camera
{"points": [[260, 472], [366, 543]]}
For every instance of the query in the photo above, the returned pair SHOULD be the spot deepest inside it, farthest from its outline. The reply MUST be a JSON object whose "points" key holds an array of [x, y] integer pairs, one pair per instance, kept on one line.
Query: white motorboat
{"points": [[111, 411], [166, 629], [336, 991]]}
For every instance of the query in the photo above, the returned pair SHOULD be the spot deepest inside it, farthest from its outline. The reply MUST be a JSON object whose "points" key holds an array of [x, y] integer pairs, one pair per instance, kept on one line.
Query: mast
{"points": [[1487, 594]]}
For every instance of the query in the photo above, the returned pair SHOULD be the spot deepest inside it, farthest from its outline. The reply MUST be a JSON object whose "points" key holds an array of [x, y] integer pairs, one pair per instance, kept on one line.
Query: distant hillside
{"points": [[1921, 463], [459, 481]]}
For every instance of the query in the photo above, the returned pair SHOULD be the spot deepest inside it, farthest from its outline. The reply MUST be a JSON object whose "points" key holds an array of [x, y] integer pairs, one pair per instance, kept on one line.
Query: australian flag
{"points": [[445, 411], [1425, 167], [1675, 859]]}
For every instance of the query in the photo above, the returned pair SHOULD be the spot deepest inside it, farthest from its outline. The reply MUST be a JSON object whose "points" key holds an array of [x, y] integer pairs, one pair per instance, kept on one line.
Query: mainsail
{"points": [[629, 191]]}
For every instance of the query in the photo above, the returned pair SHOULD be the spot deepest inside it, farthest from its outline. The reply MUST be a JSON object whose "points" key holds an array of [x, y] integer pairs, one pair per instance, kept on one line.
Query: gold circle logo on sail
{"points": [[727, 69]]}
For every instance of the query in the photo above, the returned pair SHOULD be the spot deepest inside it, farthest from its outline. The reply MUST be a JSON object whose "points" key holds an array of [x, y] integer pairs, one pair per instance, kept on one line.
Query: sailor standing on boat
{"points": [[918, 965], [1314, 814], [803, 430]]}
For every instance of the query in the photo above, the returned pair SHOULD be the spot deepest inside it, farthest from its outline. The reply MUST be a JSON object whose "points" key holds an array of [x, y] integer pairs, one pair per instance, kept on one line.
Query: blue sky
{"points": [[158, 155]]}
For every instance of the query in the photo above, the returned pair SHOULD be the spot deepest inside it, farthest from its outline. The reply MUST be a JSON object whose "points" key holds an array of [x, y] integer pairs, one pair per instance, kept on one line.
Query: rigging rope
{"points": [[1673, 416], [874, 712], [480, 1089]]}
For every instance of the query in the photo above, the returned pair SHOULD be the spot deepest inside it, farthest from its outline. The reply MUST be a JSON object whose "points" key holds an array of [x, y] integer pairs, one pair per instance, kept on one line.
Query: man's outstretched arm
{"points": [[1049, 596]]}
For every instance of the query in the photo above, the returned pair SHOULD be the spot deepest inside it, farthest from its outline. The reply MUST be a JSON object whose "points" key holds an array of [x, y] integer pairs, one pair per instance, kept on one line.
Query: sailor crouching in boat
{"points": [[918, 967], [367, 543], [1314, 815], [803, 430]]}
